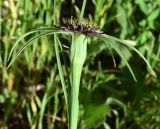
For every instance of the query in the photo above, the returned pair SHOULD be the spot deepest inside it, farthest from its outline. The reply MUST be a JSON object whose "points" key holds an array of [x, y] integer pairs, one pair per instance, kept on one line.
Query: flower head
{"points": [[82, 26]]}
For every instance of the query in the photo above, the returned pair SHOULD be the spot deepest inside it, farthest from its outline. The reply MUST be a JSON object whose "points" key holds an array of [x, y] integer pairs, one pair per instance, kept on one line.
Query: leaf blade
{"points": [[105, 36]]}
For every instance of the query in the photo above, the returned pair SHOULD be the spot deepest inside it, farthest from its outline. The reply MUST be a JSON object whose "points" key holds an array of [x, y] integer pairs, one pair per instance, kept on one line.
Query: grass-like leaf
{"points": [[56, 42], [27, 34], [26, 44], [105, 38], [29, 42], [114, 61], [113, 44]]}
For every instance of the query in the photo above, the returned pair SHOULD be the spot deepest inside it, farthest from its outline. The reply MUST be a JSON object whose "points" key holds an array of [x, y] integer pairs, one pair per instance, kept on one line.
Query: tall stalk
{"points": [[78, 55]]}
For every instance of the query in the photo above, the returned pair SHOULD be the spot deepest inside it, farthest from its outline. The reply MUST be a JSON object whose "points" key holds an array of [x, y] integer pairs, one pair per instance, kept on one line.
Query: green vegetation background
{"points": [[30, 90]]}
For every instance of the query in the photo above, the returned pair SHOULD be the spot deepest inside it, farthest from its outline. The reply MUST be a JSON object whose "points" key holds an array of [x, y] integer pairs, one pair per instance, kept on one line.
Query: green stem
{"points": [[77, 56], [83, 8], [43, 106]]}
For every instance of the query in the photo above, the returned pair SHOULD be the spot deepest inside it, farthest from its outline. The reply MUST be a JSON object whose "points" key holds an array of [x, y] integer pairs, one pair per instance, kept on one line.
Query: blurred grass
{"points": [[30, 91]]}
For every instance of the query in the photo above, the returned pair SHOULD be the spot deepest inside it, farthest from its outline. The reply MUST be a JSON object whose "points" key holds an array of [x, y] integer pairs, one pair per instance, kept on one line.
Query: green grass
{"points": [[31, 92]]}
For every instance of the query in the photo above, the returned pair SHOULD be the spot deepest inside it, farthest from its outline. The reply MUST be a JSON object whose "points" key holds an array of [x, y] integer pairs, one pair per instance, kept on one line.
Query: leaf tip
{"points": [[153, 74]]}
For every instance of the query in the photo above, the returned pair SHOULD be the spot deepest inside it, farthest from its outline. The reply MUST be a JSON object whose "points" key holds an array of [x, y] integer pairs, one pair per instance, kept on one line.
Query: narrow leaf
{"points": [[104, 36], [112, 43], [26, 45], [25, 35], [29, 42], [114, 62], [61, 71]]}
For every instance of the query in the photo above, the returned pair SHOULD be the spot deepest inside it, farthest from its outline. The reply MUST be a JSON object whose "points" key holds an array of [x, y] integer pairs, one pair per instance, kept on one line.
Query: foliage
{"points": [[30, 91]]}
